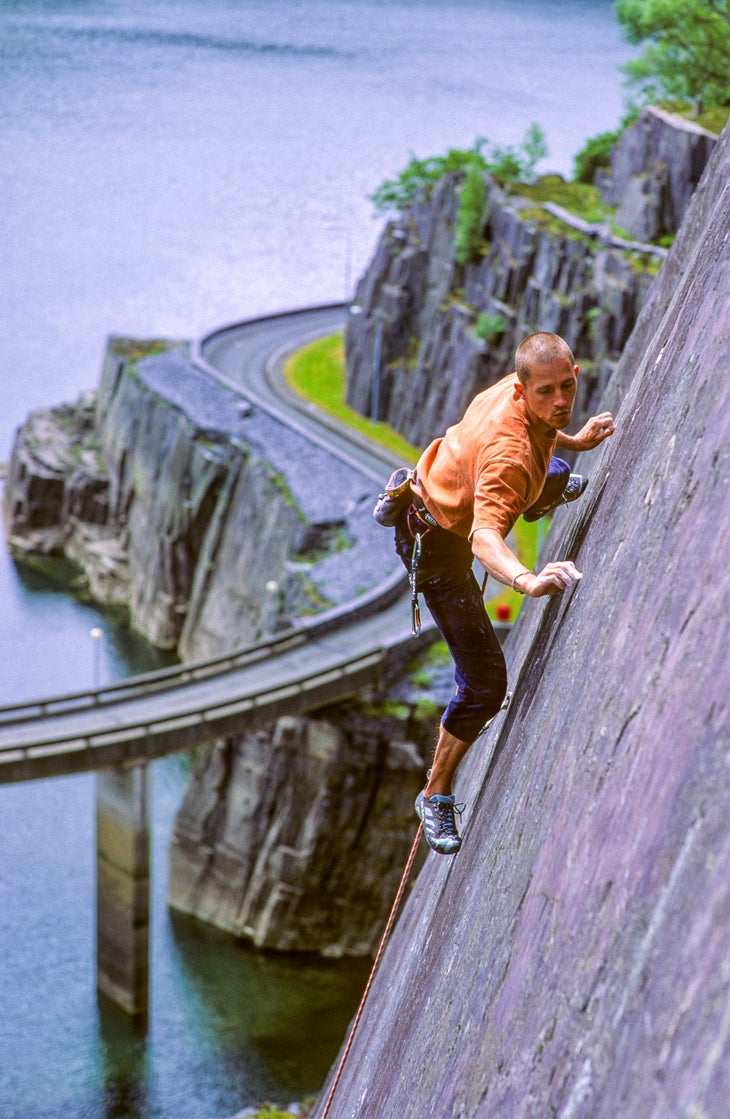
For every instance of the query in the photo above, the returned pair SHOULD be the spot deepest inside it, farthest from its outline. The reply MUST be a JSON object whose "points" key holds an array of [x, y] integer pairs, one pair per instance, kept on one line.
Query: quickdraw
{"points": [[412, 579]]}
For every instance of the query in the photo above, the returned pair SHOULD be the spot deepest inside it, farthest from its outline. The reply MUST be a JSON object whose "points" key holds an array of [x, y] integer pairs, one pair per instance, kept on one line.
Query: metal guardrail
{"points": [[90, 742], [135, 686], [167, 679]]}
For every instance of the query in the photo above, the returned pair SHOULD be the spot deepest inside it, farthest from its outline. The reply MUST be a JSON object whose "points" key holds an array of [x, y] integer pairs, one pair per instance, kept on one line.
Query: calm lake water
{"points": [[165, 168]]}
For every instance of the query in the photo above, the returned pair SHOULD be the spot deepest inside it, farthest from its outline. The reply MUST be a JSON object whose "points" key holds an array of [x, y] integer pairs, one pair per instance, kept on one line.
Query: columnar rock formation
{"points": [[419, 309], [572, 960], [425, 308]]}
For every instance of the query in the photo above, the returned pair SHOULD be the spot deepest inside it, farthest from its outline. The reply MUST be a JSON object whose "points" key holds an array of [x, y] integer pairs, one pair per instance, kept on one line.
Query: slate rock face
{"points": [[56, 473], [439, 332], [655, 168], [573, 959]]}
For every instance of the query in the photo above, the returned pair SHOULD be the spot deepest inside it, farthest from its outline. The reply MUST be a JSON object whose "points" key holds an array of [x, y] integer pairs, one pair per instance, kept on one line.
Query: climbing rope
{"points": [[376, 964]]}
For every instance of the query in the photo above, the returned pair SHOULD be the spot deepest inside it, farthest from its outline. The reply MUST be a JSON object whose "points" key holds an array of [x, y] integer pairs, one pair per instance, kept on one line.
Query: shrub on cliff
{"points": [[507, 164], [595, 154], [510, 165], [420, 175]]}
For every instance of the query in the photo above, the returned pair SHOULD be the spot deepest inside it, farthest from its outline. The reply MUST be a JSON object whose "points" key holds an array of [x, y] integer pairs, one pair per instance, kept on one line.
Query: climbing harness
{"points": [[412, 579], [376, 964]]}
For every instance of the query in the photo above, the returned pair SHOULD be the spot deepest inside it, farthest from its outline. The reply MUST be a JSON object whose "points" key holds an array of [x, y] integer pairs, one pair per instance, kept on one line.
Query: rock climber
{"points": [[469, 488]]}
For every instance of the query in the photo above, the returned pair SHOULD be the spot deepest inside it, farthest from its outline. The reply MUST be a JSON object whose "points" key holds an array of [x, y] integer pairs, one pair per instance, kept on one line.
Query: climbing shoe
{"points": [[573, 489], [439, 826]]}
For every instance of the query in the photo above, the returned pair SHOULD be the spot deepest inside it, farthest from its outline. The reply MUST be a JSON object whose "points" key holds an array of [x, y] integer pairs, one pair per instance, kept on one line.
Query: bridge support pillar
{"points": [[123, 887]]}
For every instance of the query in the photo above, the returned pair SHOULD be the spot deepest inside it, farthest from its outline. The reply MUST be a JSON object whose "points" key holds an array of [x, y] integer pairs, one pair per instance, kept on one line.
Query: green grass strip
{"points": [[317, 373]]}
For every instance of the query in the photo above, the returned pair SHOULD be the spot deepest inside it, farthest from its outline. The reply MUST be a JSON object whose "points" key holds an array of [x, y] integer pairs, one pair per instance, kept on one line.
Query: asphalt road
{"points": [[249, 358]]}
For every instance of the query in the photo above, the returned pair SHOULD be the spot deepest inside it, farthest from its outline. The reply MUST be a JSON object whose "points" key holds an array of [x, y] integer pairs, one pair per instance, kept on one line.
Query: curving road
{"points": [[320, 662], [248, 357]]}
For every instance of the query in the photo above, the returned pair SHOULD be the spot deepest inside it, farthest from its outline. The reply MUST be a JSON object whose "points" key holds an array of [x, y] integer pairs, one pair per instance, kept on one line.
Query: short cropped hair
{"points": [[539, 349]]}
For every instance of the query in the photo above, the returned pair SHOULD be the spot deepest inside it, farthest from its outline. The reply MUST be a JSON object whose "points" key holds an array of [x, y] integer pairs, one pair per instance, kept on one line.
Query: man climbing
{"points": [[470, 486]]}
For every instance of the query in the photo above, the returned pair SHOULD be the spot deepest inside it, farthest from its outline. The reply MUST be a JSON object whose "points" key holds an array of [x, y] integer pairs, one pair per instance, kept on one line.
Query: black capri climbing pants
{"points": [[455, 602]]}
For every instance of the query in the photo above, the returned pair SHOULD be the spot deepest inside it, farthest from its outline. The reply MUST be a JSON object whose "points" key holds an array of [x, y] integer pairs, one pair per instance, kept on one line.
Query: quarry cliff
{"points": [[572, 960], [446, 328]]}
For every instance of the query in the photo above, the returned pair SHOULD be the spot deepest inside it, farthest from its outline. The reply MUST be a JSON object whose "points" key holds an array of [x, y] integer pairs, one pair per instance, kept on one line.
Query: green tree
{"points": [[510, 164], [687, 52]]}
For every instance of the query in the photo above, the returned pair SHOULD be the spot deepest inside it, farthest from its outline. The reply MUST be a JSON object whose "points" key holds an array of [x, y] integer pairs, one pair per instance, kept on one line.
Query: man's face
{"points": [[550, 392]]}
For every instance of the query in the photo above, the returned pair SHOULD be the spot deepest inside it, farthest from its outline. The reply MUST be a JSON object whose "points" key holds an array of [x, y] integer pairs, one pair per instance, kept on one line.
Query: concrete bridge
{"points": [[146, 717], [117, 729]]}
